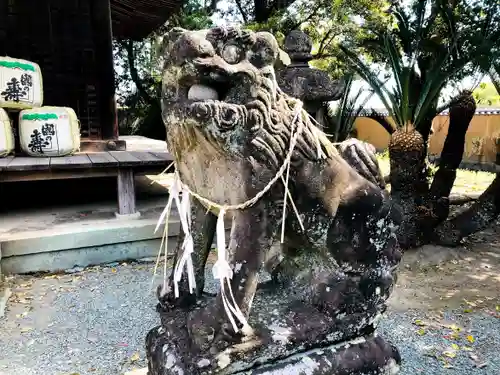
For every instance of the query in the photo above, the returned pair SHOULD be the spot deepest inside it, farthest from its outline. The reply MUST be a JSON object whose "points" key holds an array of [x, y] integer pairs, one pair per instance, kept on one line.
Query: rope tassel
{"points": [[184, 209], [222, 271]]}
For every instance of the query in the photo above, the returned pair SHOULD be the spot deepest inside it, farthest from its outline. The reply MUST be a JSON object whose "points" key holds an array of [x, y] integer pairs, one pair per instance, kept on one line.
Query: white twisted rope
{"points": [[221, 269]]}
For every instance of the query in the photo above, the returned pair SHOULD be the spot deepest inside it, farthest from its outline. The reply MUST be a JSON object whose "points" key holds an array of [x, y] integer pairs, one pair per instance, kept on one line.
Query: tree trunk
{"points": [[409, 184], [409, 190], [461, 114], [409, 180], [476, 218]]}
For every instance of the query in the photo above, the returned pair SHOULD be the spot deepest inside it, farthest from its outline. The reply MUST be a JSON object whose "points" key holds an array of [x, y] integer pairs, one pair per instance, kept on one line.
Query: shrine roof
{"points": [[135, 19]]}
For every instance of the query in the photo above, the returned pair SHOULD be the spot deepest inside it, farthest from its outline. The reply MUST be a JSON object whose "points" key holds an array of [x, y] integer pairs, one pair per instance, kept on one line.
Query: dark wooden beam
{"points": [[103, 42]]}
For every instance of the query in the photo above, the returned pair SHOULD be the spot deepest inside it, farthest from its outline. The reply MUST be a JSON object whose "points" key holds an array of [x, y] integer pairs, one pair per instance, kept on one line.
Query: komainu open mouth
{"points": [[217, 91]]}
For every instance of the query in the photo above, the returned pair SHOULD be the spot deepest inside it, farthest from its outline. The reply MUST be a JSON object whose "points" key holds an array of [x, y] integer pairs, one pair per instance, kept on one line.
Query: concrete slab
{"points": [[55, 261], [60, 238]]}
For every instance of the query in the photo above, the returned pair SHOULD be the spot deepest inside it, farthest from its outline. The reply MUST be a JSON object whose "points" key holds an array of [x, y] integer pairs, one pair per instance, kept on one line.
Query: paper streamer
{"points": [[222, 271], [184, 209]]}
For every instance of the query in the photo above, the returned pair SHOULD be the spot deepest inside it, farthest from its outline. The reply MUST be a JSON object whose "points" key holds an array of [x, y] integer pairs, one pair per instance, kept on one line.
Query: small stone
{"points": [[74, 270], [147, 260]]}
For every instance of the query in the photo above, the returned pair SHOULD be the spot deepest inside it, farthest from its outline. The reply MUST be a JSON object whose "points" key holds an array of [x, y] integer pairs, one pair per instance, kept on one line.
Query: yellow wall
{"points": [[480, 139]]}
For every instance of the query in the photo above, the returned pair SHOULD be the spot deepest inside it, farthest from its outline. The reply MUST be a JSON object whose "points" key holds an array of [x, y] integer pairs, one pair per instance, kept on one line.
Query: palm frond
{"points": [[404, 30], [340, 120], [388, 98]]}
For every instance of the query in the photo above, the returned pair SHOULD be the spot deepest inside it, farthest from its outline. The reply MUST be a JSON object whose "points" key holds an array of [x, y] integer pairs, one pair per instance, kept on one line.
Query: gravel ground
{"points": [[95, 321]]}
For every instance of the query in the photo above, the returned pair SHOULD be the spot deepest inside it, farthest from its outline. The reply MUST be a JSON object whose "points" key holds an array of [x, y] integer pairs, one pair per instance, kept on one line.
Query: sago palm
{"points": [[339, 120], [419, 77]]}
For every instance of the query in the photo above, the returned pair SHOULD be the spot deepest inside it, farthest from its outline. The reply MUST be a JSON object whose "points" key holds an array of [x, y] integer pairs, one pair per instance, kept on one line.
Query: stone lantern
{"points": [[299, 80]]}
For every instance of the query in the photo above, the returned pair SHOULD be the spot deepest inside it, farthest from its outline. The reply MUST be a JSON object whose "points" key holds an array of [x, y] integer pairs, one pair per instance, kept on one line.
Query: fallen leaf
{"points": [[449, 354], [467, 310], [455, 346], [470, 303], [113, 269], [467, 348], [421, 332], [135, 357], [471, 339], [419, 322], [453, 336]]}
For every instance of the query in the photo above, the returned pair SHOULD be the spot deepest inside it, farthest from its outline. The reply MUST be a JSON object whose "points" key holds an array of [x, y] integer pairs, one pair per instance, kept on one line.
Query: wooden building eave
{"points": [[136, 19]]}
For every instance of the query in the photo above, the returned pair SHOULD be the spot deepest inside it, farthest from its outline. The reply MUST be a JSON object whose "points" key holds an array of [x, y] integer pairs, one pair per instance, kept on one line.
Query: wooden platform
{"points": [[81, 165], [122, 164]]}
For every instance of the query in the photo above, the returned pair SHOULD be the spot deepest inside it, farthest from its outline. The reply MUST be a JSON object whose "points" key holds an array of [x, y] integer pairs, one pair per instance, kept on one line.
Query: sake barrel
{"points": [[20, 84], [49, 131], [7, 144]]}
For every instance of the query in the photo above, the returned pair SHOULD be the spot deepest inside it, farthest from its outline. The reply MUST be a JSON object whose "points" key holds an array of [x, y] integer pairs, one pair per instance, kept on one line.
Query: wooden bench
{"points": [[122, 164]]}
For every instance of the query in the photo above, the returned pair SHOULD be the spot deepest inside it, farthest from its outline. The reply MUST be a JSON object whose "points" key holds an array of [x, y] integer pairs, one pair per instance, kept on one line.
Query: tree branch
{"points": [[323, 44], [308, 18], [240, 9], [129, 47], [318, 56]]}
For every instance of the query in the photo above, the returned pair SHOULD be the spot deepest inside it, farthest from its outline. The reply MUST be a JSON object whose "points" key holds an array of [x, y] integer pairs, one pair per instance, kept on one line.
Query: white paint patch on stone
{"points": [[280, 334], [311, 365], [223, 360], [307, 366], [392, 368], [237, 267], [203, 363], [170, 362]]}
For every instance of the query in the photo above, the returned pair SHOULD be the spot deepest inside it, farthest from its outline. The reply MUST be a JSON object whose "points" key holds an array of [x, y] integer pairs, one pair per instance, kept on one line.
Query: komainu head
{"points": [[219, 89]]}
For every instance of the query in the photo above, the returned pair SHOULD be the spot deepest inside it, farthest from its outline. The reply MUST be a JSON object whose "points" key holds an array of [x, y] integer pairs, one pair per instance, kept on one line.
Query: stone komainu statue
{"points": [[229, 128]]}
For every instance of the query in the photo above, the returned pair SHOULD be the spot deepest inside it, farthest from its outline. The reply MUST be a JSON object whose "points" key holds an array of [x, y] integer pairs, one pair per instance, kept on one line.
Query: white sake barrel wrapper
{"points": [[49, 131], [20, 84], [7, 144]]}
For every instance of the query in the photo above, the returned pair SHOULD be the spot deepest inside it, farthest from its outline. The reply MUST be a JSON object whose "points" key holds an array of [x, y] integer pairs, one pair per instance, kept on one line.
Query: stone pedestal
{"points": [[286, 342]]}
